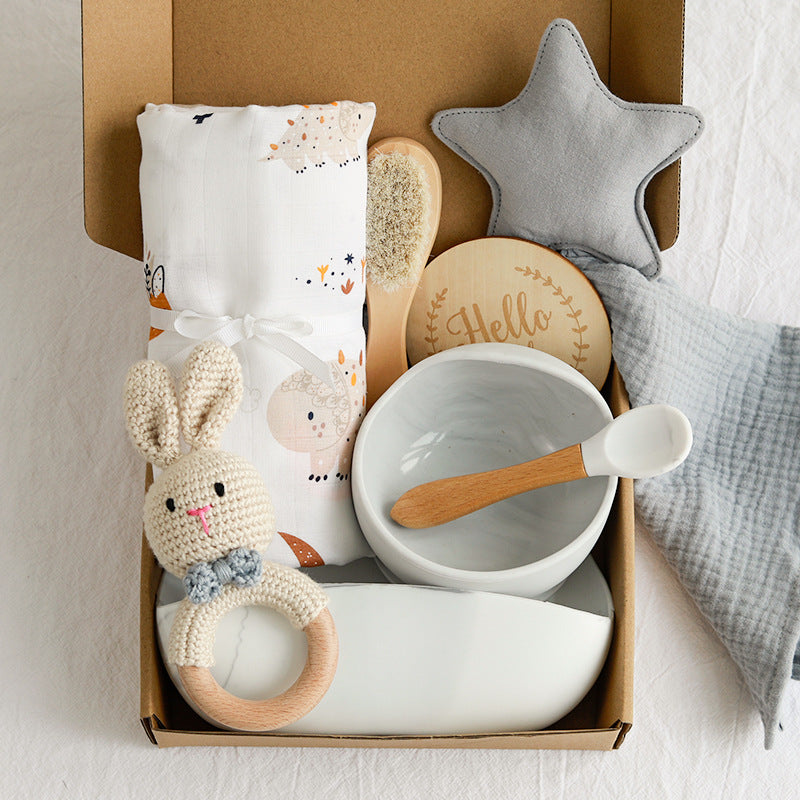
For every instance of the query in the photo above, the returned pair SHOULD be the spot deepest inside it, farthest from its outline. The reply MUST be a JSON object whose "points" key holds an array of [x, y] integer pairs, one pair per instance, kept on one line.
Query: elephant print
{"points": [[306, 415], [323, 133]]}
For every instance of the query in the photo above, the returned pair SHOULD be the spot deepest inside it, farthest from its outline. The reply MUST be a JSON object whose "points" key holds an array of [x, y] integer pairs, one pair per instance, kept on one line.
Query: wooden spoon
{"points": [[641, 443]]}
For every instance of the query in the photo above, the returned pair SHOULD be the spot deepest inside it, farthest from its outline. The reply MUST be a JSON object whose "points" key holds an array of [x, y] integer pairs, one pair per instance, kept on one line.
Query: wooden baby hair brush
{"points": [[404, 201]]}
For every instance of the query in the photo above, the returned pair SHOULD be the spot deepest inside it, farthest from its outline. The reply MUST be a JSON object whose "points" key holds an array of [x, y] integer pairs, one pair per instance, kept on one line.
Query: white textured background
{"points": [[72, 313]]}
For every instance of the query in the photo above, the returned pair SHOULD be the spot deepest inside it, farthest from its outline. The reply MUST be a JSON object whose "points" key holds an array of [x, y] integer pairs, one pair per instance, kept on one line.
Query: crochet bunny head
{"points": [[205, 503]]}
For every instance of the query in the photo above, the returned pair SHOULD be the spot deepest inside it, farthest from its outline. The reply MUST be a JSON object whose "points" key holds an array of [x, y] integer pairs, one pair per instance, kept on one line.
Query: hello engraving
{"points": [[500, 292], [515, 322]]}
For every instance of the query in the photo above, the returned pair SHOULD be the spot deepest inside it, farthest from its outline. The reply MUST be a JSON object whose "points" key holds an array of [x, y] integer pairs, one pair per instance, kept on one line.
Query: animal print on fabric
{"points": [[322, 134], [308, 416]]}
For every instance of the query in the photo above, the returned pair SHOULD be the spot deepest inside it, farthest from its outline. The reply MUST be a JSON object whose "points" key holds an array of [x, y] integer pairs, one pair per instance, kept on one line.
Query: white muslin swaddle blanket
{"points": [[254, 234]]}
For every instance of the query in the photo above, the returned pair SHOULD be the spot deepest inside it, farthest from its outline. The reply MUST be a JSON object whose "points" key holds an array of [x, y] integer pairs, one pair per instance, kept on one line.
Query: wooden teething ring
{"points": [[275, 712], [297, 598]]}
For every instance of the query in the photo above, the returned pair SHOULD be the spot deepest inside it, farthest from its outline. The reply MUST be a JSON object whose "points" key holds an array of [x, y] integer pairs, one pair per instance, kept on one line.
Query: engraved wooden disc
{"points": [[499, 289]]}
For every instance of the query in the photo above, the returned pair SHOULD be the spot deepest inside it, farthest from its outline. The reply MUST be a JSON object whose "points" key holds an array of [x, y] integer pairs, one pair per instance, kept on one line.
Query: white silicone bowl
{"points": [[470, 409]]}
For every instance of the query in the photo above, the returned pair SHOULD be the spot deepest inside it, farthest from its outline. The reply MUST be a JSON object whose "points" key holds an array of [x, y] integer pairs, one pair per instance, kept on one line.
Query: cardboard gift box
{"points": [[412, 59]]}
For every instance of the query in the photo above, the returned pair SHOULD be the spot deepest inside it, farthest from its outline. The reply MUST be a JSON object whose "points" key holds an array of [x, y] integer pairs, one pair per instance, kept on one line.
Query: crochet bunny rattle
{"points": [[206, 516]]}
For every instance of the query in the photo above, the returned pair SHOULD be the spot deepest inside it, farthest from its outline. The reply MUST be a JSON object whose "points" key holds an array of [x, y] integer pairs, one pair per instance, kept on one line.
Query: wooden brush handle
{"points": [[294, 703], [450, 498], [386, 337]]}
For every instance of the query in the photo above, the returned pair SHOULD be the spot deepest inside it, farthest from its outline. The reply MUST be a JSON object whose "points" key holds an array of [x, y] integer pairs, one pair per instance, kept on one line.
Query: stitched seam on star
{"points": [[622, 104]]}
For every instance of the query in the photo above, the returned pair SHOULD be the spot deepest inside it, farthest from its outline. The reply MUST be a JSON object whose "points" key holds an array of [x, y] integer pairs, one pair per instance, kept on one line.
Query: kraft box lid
{"points": [[412, 58]]}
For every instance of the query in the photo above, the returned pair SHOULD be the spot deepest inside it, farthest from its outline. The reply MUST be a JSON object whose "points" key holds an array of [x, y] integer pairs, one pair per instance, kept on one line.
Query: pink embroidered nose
{"points": [[201, 512]]}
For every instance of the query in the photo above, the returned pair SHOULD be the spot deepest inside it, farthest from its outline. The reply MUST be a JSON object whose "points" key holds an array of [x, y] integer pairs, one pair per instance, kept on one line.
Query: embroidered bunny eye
{"points": [[170, 504], [219, 488], [311, 415]]}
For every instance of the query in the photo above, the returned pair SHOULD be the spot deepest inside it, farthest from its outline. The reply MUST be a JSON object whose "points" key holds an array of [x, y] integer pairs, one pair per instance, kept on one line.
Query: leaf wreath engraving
{"points": [[578, 356], [433, 315]]}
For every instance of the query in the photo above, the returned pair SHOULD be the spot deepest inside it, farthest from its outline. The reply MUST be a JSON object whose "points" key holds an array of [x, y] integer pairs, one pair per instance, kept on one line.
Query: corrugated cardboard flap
{"points": [[463, 53]]}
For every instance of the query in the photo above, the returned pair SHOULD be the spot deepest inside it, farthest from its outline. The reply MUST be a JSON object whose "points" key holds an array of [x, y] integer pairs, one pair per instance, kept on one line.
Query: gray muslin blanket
{"points": [[728, 519]]}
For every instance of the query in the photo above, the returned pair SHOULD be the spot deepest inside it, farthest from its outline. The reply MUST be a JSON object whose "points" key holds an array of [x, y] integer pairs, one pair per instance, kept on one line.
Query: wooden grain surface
{"points": [[499, 289], [447, 499], [275, 712]]}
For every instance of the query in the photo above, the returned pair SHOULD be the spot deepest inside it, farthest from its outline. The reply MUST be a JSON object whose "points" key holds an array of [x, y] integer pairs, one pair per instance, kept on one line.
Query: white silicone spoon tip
{"points": [[641, 443]]}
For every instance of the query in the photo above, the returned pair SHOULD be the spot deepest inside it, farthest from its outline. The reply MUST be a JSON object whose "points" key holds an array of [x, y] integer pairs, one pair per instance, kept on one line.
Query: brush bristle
{"points": [[398, 205]]}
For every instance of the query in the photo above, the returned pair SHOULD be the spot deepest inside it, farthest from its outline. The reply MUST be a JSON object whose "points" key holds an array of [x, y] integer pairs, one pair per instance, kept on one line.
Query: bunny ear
{"points": [[151, 412], [210, 392]]}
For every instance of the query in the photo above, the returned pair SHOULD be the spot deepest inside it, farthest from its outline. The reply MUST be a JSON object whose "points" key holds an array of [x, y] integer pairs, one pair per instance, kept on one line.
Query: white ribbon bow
{"points": [[276, 333]]}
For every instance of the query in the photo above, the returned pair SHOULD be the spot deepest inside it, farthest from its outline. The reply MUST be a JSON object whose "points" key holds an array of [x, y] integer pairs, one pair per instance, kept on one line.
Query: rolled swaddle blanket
{"points": [[254, 235]]}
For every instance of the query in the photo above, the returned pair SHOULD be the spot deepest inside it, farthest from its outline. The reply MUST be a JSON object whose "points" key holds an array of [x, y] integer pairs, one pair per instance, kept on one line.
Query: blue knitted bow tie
{"points": [[204, 581]]}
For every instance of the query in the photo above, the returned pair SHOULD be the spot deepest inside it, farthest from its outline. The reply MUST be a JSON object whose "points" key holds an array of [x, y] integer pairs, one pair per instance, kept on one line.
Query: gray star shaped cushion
{"points": [[567, 161]]}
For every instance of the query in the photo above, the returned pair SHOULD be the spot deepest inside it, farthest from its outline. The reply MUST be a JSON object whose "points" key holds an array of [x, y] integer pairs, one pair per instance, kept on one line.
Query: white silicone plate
{"points": [[424, 660]]}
